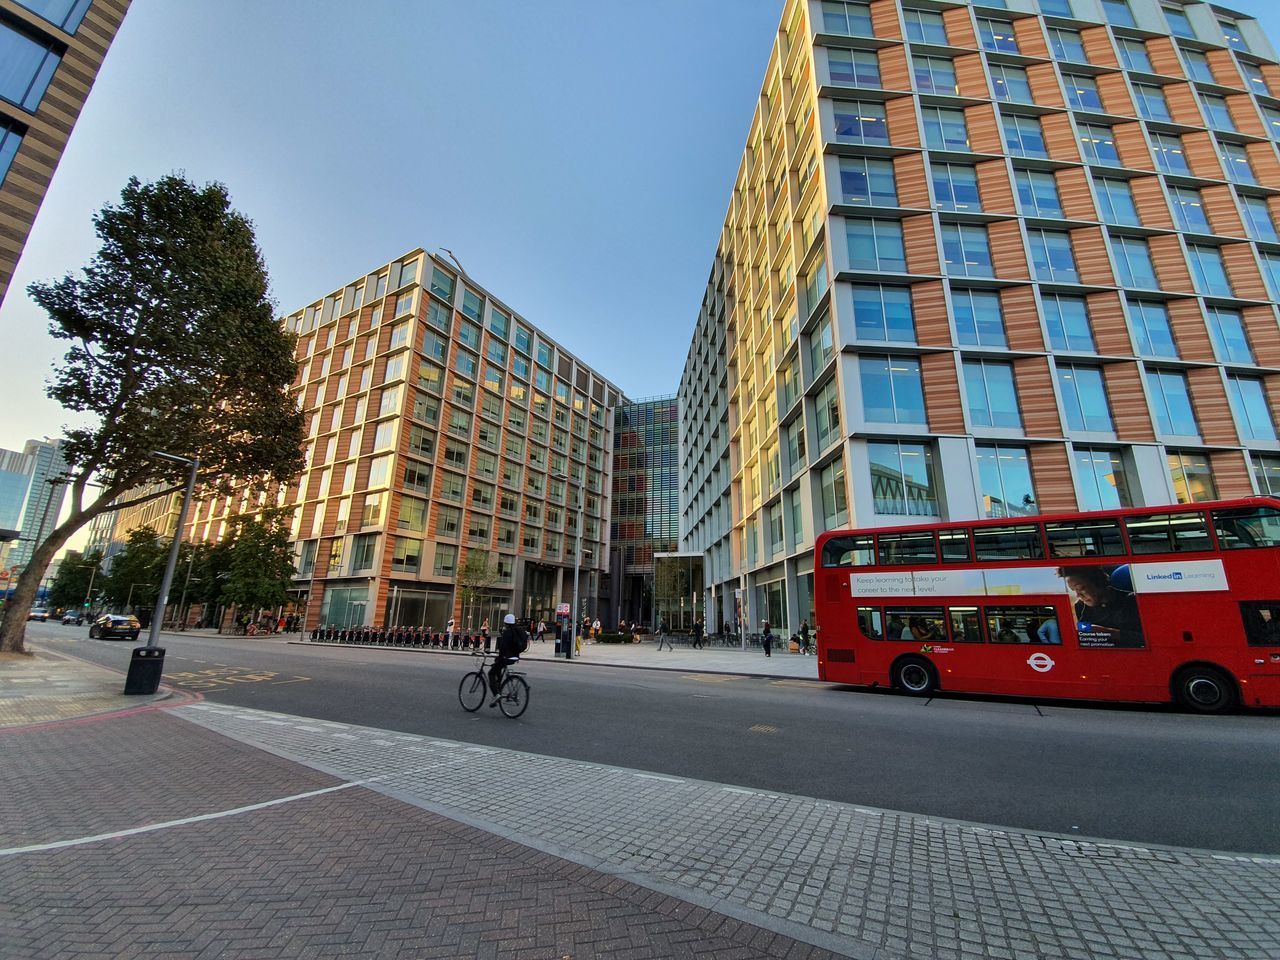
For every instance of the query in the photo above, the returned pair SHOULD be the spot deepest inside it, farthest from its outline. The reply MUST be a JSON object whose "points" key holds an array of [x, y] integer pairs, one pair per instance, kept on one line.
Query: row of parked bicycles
{"points": [[401, 637]]}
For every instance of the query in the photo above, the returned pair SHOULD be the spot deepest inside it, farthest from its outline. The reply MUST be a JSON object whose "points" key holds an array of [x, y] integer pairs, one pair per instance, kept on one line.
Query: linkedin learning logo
{"points": [[1175, 575]]}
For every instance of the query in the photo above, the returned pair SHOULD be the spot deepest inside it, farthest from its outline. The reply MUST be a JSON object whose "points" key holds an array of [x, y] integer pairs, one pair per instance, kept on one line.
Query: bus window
{"points": [[848, 552], [1168, 533], [921, 624], [1021, 542], [1085, 538], [897, 549], [871, 623], [1247, 527], [966, 627], [955, 546], [1261, 622], [1029, 624]]}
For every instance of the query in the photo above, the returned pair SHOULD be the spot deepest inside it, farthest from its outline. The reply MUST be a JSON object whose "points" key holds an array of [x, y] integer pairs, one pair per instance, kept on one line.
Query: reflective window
{"points": [[66, 14], [835, 498], [993, 400], [1084, 398], [1067, 45], [1261, 622], [1230, 343], [1188, 209], [859, 68], [1172, 402], [1151, 103], [1004, 474], [10, 140], [979, 319], [1116, 200], [925, 26], [1208, 271], [27, 64], [891, 389], [1266, 471], [1168, 533], [859, 121], [1192, 477], [1024, 136], [1036, 624], [1067, 321], [1166, 149], [1257, 217], [954, 545], [1232, 36], [902, 479], [1254, 78], [1235, 161], [1151, 331], [883, 313], [1249, 404], [876, 245], [1118, 13], [847, 19], [955, 187], [997, 35], [1244, 528], [966, 250], [904, 549], [1097, 145], [1197, 65], [1018, 542], [867, 181], [934, 75], [1179, 25], [1010, 84], [853, 551], [1052, 257], [1103, 484], [1082, 92], [1217, 113], [1038, 194], [1133, 54], [1133, 263], [945, 129]]}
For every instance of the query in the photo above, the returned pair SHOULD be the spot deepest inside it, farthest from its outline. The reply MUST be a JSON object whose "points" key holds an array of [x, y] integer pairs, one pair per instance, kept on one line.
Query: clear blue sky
{"points": [[577, 155]]}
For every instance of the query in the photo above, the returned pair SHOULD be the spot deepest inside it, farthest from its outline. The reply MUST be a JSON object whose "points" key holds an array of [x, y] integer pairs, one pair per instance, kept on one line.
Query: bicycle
{"points": [[512, 696]]}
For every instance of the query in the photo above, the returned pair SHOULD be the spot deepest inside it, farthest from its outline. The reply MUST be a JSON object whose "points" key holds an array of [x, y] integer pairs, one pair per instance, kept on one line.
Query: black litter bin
{"points": [[145, 668]]}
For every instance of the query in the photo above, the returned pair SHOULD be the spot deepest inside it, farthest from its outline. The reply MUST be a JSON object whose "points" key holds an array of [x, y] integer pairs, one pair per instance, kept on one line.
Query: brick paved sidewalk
{"points": [[49, 686], [872, 882], [344, 873]]}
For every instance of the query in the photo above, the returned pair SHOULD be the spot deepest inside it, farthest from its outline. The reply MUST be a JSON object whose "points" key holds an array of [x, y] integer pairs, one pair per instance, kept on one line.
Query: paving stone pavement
{"points": [[346, 873], [47, 686], [866, 882]]}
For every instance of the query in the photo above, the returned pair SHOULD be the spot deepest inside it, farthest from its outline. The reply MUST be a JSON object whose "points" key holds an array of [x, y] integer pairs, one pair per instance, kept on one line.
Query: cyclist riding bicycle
{"points": [[511, 643]]}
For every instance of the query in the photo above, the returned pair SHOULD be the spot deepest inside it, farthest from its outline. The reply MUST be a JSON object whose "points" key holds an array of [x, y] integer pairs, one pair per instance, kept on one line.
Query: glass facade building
{"points": [[50, 52], [984, 260], [645, 513]]}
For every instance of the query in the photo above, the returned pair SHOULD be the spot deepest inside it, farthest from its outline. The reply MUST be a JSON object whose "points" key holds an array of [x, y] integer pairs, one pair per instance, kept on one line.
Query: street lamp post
{"points": [[148, 662]]}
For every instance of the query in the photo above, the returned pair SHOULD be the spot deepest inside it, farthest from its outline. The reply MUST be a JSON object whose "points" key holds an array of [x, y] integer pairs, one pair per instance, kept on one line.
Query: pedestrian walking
{"points": [[448, 632], [542, 628], [697, 634], [804, 637], [662, 636], [484, 634], [767, 642]]}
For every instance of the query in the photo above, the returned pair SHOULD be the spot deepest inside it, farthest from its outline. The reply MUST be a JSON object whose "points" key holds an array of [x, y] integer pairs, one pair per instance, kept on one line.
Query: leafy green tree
{"points": [[75, 574], [174, 346], [134, 581], [260, 567]]}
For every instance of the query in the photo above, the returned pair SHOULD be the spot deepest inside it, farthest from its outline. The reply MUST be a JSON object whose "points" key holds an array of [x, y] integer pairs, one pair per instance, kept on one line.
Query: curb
{"points": [[750, 674]]}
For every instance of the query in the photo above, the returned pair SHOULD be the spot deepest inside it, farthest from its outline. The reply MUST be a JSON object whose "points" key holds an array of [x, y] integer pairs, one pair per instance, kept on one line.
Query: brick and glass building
{"points": [[50, 52], [985, 259], [439, 422], [645, 513]]}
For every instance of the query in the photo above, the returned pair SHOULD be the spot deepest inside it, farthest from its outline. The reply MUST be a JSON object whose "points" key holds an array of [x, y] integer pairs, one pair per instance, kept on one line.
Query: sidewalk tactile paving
{"points": [[913, 885]]}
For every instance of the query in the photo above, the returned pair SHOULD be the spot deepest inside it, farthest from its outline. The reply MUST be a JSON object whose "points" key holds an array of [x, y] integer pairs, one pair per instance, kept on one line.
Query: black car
{"points": [[114, 626], [73, 616]]}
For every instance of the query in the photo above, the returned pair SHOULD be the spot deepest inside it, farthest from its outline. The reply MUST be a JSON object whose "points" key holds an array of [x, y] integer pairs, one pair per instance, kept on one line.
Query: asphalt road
{"points": [[1144, 775]]}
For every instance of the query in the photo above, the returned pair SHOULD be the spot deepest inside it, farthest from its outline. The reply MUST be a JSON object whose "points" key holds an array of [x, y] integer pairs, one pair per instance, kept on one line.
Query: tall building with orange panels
{"points": [[439, 422], [985, 259], [50, 52]]}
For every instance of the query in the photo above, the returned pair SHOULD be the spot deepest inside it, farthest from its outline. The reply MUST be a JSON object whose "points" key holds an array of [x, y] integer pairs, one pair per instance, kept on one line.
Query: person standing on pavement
{"points": [[804, 637], [697, 634], [448, 631], [484, 634], [662, 636], [767, 642]]}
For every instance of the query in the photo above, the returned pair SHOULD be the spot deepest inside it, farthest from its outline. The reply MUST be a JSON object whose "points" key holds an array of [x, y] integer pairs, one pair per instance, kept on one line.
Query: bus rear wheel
{"points": [[915, 676], [1204, 689]]}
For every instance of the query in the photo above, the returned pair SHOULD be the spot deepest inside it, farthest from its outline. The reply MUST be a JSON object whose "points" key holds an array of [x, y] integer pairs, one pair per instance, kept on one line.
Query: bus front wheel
{"points": [[1202, 688], [915, 676]]}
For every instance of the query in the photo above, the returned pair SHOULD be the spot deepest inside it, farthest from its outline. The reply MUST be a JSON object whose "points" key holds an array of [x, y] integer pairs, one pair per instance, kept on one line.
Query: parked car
{"points": [[73, 616], [114, 626], [38, 613]]}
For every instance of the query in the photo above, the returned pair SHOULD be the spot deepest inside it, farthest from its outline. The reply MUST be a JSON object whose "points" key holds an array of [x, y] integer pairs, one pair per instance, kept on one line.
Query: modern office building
{"points": [[981, 260], [645, 513], [109, 532], [43, 502], [15, 480], [440, 424], [50, 52]]}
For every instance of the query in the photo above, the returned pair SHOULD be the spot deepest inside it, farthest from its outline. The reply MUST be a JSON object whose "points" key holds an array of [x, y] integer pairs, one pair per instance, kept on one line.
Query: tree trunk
{"points": [[24, 594]]}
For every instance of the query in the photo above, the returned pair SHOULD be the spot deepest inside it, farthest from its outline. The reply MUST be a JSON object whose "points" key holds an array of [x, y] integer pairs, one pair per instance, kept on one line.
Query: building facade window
{"points": [[1188, 209], [859, 121], [966, 250], [1151, 331], [1266, 473], [1169, 154], [891, 389], [1097, 145], [992, 396], [10, 141], [1172, 401], [1067, 45], [1038, 194], [925, 26], [955, 187], [827, 414], [1208, 271], [1116, 200], [1010, 84], [934, 75], [1023, 136], [979, 318], [1192, 477], [847, 19], [868, 182], [876, 245], [945, 129], [1134, 56], [859, 68], [1004, 476], [1133, 263], [883, 313], [1257, 218], [835, 498], [1249, 404], [1102, 483], [902, 479], [27, 64], [1230, 343], [1084, 398], [1052, 256], [1082, 92]]}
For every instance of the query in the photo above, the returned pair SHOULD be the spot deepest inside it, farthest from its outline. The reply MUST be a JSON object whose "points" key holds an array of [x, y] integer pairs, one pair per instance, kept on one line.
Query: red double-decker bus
{"points": [[1146, 605]]}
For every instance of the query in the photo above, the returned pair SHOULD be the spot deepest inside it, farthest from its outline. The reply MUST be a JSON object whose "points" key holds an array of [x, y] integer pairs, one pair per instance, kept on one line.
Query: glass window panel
{"points": [[1230, 343], [1026, 623], [1038, 194], [891, 389], [955, 187], [865, 181], [1067, 321], [945, 129], [993, 400], [1016, 542], [902, 479], [1103, 484], [1192, 479], [883, 313], [905, 549], [1168, 533], [1172, 401], [979, 319], [1151, 330], [1084, 398], [925, 26], [1252, 411], [1004, 475], [859, 68], [859, 121]]}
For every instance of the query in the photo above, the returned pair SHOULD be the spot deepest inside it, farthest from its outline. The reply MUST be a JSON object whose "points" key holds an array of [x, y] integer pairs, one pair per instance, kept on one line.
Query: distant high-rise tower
{"points": [[44, 498], [985, 259], [50, 52]]}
